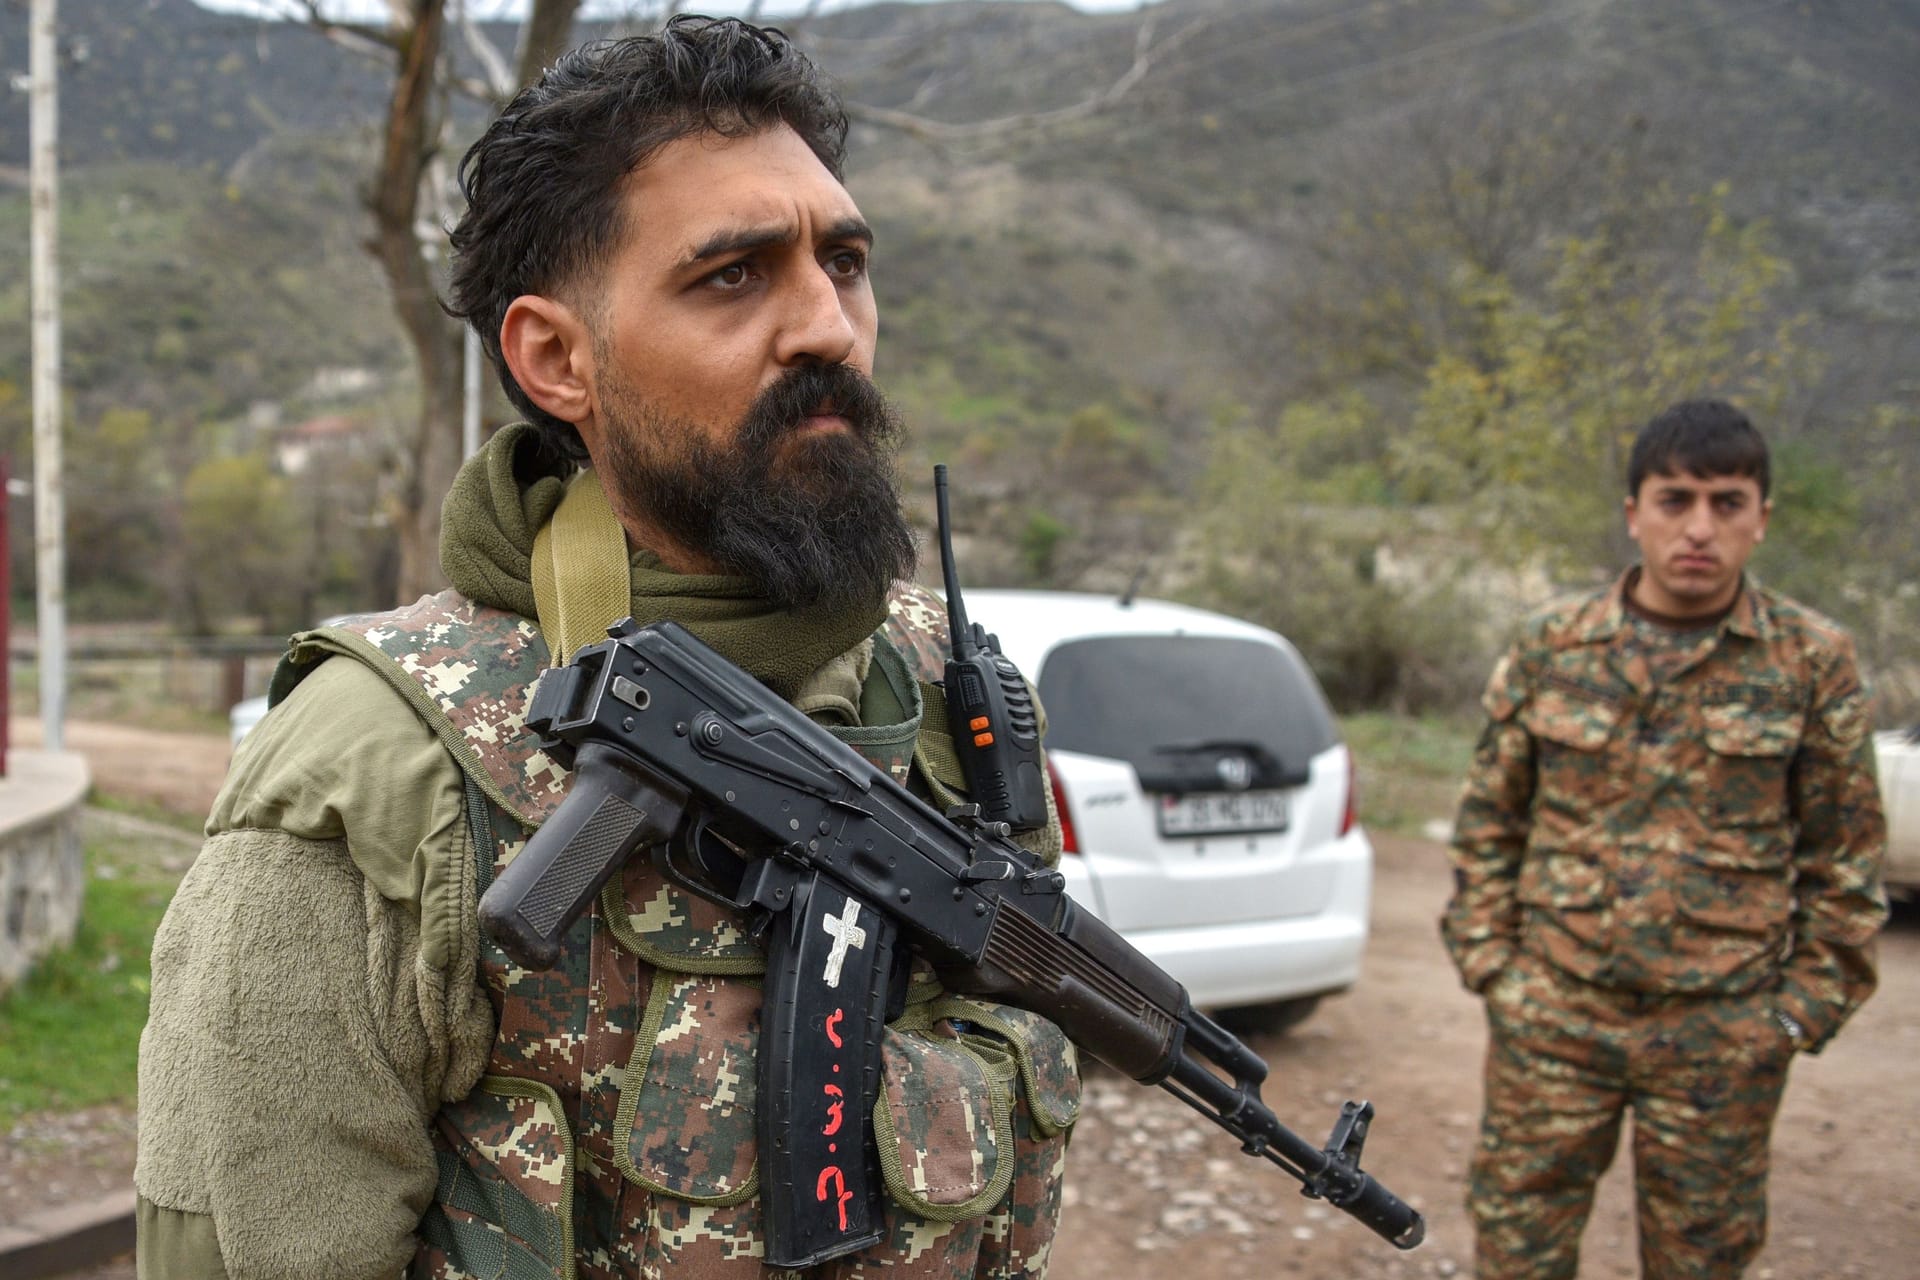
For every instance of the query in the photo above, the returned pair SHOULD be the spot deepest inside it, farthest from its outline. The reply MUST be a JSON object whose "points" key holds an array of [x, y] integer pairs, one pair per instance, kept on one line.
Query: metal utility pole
{"points": [[49, 508], [470, 387]]}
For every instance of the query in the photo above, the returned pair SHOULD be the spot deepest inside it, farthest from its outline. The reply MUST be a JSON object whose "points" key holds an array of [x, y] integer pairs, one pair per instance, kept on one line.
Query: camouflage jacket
{"points": [[1715, 832]]}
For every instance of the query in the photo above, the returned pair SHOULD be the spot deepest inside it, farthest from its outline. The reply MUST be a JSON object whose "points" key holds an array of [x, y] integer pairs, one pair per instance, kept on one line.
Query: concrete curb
{"points": [[42, 868], [69, 1238]]}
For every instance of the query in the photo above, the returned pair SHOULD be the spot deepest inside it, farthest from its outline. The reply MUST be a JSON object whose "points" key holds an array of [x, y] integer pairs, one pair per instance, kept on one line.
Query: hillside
{"points": [[1806, 109], [165, 81], [1233, 142], [1295, 210]]}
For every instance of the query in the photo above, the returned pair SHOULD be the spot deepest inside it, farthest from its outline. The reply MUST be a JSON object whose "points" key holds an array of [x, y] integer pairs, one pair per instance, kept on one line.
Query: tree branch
{"points": [[545, 37], [940, 132], [353, 35], [497, 82]]}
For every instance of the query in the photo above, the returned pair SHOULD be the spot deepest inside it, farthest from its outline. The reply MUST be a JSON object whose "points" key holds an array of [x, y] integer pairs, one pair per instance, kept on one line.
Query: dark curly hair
{"points": [[543, 182]]}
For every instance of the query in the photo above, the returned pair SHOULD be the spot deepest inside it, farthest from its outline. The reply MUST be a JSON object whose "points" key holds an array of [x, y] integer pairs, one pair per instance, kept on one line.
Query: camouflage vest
{"points": [[614, 1134]]}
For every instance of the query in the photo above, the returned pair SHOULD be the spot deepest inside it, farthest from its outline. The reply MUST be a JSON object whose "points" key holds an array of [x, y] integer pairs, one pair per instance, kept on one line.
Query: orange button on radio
{"points": [[977, 723], [982, 739]]}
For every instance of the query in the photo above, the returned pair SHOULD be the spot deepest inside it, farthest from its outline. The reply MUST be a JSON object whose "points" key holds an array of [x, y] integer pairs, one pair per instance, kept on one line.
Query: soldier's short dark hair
{"points": [[1704, 437], [543, 183]]}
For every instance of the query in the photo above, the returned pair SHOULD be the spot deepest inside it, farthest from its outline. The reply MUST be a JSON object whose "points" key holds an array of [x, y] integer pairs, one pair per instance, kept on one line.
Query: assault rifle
{"points": [[674, 747]]}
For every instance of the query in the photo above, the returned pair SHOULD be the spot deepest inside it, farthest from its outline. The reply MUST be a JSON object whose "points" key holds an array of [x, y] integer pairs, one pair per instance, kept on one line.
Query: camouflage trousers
{"points": [[1566, 1060]]}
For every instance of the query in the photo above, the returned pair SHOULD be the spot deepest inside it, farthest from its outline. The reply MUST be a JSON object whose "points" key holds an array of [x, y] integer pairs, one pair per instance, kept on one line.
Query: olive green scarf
{"points": [[505, 493]]}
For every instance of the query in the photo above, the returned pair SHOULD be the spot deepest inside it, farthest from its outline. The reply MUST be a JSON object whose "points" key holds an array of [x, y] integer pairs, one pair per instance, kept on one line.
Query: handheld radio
{"points": [[990, 710]]}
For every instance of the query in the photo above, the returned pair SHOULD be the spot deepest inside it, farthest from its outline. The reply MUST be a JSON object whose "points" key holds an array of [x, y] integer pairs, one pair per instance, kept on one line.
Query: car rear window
{"points": [[1133, 697]]}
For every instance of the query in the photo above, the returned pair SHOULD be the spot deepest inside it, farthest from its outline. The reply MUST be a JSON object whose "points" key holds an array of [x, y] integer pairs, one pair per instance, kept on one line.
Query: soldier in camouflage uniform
{"points": [[341, 1077], [1666, 875]]}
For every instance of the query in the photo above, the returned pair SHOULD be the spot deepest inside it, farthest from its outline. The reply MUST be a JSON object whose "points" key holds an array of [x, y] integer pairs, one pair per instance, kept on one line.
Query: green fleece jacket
{"points": [[313, 999]]}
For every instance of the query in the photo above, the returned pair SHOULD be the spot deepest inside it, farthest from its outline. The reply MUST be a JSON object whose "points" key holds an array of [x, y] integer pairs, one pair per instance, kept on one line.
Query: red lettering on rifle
{"points": [[832, 1174], [835, 1115]]}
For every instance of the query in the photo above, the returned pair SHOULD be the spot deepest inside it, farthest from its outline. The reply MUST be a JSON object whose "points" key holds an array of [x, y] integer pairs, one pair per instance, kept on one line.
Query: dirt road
{"points": [[1152, 1188], [179, 771]]}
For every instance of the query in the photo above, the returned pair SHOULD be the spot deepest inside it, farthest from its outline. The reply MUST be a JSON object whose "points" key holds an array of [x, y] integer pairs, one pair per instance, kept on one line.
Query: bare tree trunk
{"points": [[412, 136], [433, 452], [432, 459], [547, 33]]}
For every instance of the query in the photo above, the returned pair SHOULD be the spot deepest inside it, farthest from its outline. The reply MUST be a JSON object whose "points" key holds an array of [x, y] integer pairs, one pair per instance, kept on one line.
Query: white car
{"points": [[1206, 794], [243, 715], [1898, 753]]}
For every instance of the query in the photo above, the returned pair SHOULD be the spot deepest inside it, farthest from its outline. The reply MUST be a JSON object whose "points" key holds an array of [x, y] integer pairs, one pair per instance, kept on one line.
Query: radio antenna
{"points": [[957, 632]]}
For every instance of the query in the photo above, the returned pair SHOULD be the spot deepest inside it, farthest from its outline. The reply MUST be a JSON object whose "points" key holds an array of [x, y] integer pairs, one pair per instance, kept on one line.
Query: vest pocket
{"points": [[1578, 754], [943, 1124], [504, 1202], [1049, 1064], [1733, 895], [686, 1125], [671, 928], [1750, 751]]}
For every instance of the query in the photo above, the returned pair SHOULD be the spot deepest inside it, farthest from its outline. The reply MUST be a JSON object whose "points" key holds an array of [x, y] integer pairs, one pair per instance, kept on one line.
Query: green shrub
{"points": [[1040, 540], [1374, 643]]}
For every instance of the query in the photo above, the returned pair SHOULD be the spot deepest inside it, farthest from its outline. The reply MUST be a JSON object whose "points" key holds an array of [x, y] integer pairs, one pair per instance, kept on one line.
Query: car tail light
{"points": [[1351, 817], [1069, 841]]}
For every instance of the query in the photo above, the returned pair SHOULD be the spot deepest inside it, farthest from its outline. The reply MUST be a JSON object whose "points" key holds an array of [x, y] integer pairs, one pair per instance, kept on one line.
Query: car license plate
{"points": [[1207, 813]]}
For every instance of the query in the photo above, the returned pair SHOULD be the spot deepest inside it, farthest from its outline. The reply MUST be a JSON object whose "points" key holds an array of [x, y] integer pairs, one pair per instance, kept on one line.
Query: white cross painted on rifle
{"points": [[845, 934]]}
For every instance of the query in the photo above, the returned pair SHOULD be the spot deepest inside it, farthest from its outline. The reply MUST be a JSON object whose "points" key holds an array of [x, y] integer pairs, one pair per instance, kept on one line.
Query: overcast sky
{"points": [[502, 8]]}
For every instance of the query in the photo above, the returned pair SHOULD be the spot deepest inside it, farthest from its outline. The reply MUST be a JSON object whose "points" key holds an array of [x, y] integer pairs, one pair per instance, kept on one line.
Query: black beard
{"points": [[808, 520]]}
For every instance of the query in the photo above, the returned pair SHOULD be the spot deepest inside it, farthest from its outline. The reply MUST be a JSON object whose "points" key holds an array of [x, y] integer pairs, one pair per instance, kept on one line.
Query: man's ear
{"points": [[1632, 508], [550, 353]]}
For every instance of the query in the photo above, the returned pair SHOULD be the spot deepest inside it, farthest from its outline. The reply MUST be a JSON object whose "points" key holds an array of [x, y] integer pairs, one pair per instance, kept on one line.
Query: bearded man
{"points": [[341, 1076]]}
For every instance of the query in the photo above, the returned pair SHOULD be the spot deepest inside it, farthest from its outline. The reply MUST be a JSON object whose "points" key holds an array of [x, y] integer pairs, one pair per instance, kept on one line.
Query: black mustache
{"points": [[803, 391]]}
